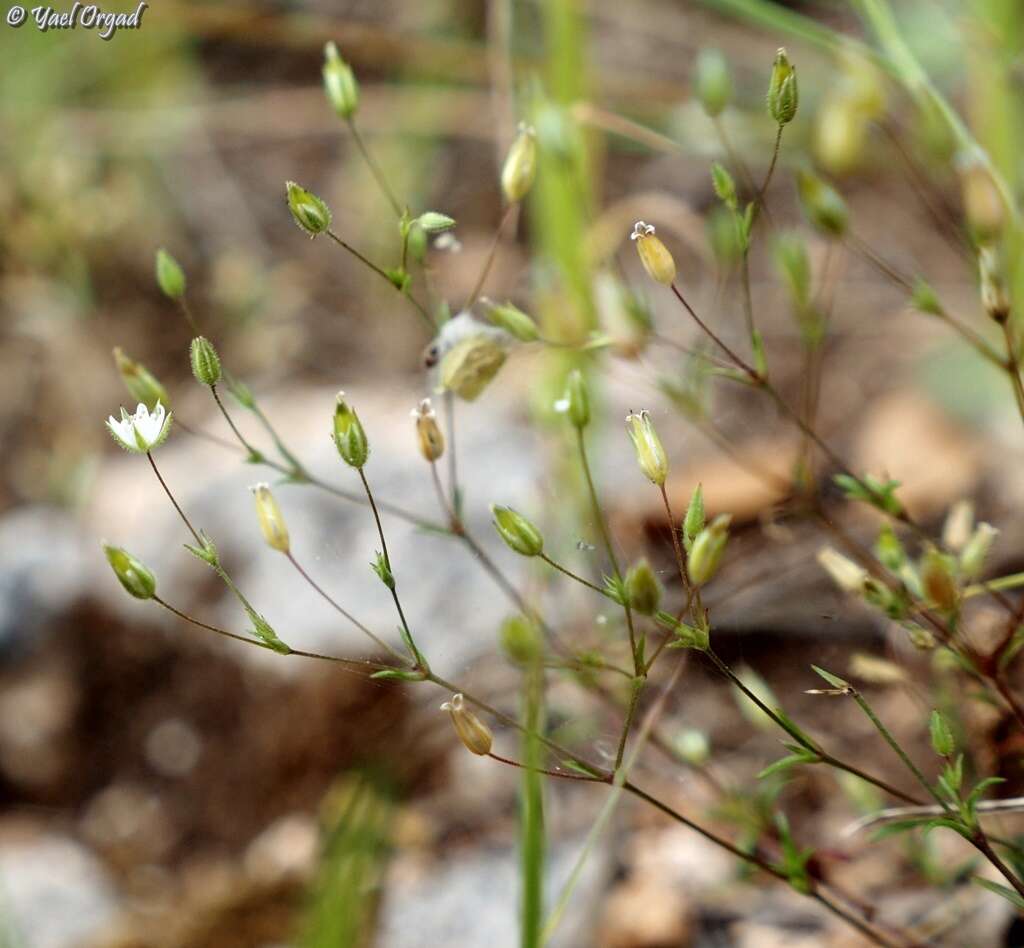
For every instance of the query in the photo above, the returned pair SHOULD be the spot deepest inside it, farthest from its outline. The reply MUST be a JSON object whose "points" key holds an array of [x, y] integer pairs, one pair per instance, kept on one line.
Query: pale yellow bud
{"points": [[520, 166], [471, 730], [654, 255], [272, 524], [877, 671], [959, 526], [846, 574], [983, 203], [430, 437], [650, 454]]}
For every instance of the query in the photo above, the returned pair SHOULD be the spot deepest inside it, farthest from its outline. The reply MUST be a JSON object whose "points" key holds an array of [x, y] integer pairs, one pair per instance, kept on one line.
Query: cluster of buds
{"points": [[654, 255], [520, 167], [431, 440]]}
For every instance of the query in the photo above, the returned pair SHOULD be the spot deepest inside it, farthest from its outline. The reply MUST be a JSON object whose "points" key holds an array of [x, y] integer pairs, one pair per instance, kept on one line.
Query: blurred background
{"points": [[162, 789]]}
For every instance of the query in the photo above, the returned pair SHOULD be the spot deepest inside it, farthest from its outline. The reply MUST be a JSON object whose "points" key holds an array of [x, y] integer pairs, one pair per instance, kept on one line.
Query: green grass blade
{"points": [[531, 813]]}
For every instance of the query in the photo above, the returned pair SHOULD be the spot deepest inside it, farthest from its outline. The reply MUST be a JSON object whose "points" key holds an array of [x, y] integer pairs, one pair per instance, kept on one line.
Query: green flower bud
{"points": [[941, 735], [520, 166], [340, 83], [650, 455], [136, 578], [849, 576], [938, 580], [889, 550], [783, 94], [643, 591], [309, 211], [924, 299], [712, 83], [693, 522], [692, 746], [822, 204], [706, 553], [205, 361], [142, 385], [794, 266], [518, 533], [576, 400], [434, 223], [513, 320], [975, 552], [169, 275], [349, 436], [724, 185], [521, 639]]}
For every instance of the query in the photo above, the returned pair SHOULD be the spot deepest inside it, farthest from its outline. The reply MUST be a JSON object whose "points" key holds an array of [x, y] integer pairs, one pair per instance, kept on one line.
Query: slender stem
{"points": [[862, 926], [167, 491], [676, 546], [1013, 366], [186, 311], [343, 612], [737, 361], [491, 254], [574, 576], [453, 464], [203, 625], [983, 846], [254, 453], [377, 171], [550, 773], [771, 167], [734, 158], [634, 701], [453, 521]]}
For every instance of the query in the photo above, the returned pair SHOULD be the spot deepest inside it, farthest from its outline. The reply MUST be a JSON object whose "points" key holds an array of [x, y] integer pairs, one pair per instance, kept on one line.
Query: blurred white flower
{"points": [[142, 431]]}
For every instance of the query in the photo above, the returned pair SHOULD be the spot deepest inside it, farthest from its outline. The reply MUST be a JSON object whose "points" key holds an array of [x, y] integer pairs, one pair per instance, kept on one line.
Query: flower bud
{"points": [[924, 298], [520, 166], [844, 572], [349, 436], [643, 591], [654, 255], [339, 83], [576, 400], [937, 579], [513, 320], [521, 639], [272, 525], [205, 361], [706, 553], [724, 185], [976, 550], [518, 533], [650, 455], [132, 574], [169, 275], [693, 522], [875, 670], [994, 297], [427, 430], [959, 525], [783, 94], [142, 385], [983, 204], [794, 266], [692, 746], [921, 638], [434, 222], [941, 735], [309, 211], [841, 135], [712, 83], [822, 204], [471, 730]]}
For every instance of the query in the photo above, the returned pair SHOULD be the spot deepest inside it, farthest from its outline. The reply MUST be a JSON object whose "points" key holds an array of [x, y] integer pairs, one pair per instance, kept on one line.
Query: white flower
{"points": [[142, 431]]}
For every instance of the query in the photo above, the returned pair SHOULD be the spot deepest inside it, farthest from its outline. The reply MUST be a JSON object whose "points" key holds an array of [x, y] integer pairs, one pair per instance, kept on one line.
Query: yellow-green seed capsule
{"points": [[708, 547], [822, 204], [976, 550], [994, 298], [654, 255], [339, 83], [983, 203], [783, 94], [130, 572], [712, 83], [169, 275], [427, 431], [205, 361], [650, 454], [643, 591], [518, 533], [520, 166], [937, 579], [142, 385], [471, 730], [521, 639], [513, 320], [349, 436], [272, 525], [309, 212], [576, 400]]}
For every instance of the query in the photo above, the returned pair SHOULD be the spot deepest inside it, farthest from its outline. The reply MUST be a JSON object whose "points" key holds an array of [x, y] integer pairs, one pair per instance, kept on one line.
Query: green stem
{"points": [[375, 169], [170, 496]]}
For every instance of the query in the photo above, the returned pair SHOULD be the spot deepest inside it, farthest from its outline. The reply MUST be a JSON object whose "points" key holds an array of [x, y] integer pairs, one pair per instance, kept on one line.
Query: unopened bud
{"points": [[924, 298], [783, 93], [941, 735], [994, 297], [272, 525], [875, 670], [921, 638], [576, 400], [427, 430], [794, 266], [708, 547], [959, 525], [650, 454], [309, 212], [518, 533], [520, 166], [169, 275], [643, 591], [976, 550], [349, 436], [514, 321], [841, 135], [937, 579], [822, 204], [983, 204], [471, 730], [693, 522], [844, 572], [712, 82], [130, 572], [521, 639], [205, 361], [339, 83], [654, 255], [142, 385], [889, 550], [692, 746]]}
